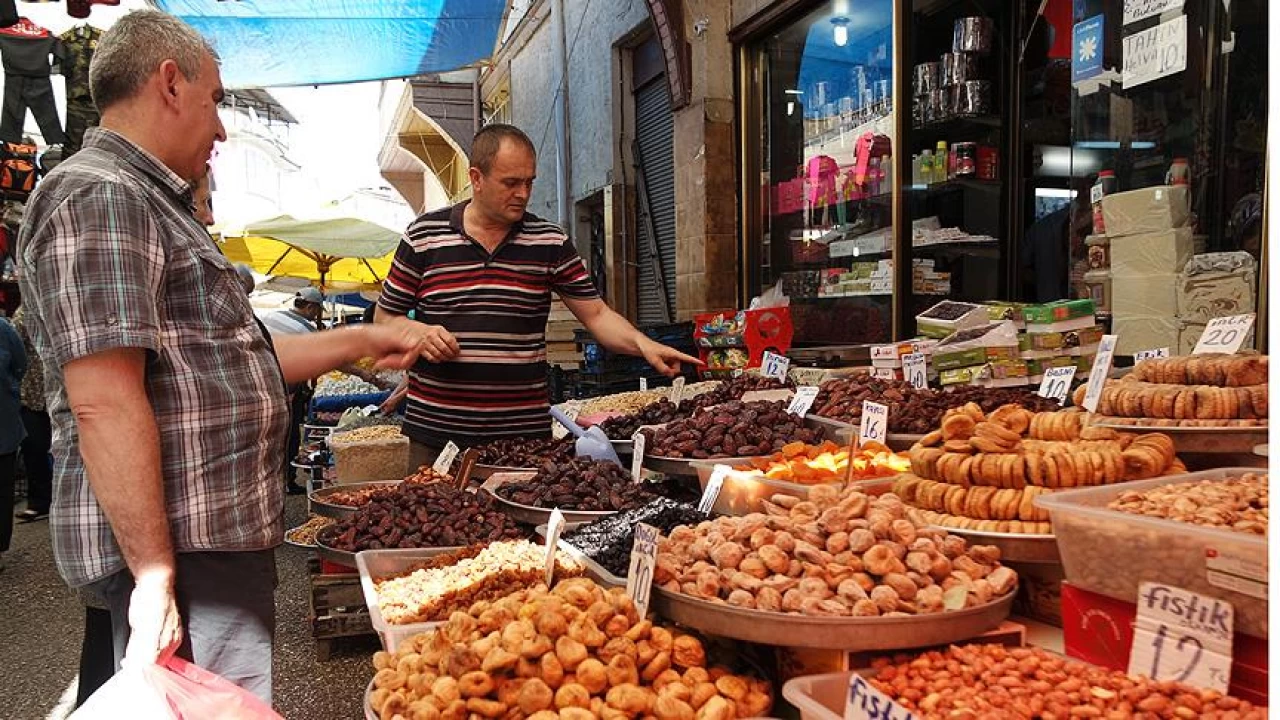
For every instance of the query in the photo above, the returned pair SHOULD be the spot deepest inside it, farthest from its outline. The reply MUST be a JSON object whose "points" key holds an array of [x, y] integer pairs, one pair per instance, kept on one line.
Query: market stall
{"points": [[787, 559]]}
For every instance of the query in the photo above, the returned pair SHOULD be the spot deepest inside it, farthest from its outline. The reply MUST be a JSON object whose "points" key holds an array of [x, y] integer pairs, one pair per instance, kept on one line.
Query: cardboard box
{"points": [[1166, 251], [1150, 209], [1216, 285], [1144, 295], [1099, 630], [1144, 332], [973, 356], [1056, 312]]}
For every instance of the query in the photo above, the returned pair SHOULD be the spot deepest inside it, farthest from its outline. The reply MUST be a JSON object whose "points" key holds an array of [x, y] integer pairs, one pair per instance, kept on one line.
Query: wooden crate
{"points": [[337, 609]]}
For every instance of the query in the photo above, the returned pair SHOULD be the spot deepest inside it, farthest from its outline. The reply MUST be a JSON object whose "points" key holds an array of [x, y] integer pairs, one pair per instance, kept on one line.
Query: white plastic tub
{"points": [[378, 564], [818, 697], [1111, 552]]}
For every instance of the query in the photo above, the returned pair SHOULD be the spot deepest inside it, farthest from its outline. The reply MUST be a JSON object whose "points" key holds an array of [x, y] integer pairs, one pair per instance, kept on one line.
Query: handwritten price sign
{"points": [[1182, 635], [775, 366], [875, 423], [644, 554], [1057, 382], [1224, 334], [803, 400], [865, 702], [915, 366]]}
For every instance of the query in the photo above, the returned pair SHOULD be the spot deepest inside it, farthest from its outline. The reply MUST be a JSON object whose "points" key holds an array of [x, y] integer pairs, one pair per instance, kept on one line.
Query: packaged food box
{"points": [[1048, 317], [1097, 283], [1083, 337], [973, 356], [1144, 332], [1150, 209], [950, 316], [1228, 565], [1166, 251], [1010, 311], [1147, 295], [1217, 284]]}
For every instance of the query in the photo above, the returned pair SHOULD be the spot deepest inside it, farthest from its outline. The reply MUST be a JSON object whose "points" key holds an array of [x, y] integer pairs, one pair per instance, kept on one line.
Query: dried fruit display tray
{"points": [[528, 513], [1015, 547], [845, 633], [319, 499]]}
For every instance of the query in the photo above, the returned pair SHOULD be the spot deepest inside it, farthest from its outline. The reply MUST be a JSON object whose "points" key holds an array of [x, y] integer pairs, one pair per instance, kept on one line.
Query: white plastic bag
{"points": [[177, 690]]}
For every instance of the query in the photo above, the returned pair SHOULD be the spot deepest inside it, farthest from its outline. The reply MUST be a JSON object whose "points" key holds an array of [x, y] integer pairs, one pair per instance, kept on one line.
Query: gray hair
{"points": [[135, 46]]}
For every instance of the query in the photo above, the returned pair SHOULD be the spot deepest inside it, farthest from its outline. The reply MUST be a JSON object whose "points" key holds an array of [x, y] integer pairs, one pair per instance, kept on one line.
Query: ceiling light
{"points": [[841, 32]]}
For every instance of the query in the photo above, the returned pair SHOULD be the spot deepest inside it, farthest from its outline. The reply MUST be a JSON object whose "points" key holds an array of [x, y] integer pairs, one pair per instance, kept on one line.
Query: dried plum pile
{"points": [[608, 540]]}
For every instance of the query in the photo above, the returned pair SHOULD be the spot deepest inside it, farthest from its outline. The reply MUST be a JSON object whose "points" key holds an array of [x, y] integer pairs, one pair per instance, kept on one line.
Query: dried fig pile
{"points": [[524, 452], [577, 652], [913, 411], [578, 484], [413, 515], [837, 554], [734, 429], [977, 681]]}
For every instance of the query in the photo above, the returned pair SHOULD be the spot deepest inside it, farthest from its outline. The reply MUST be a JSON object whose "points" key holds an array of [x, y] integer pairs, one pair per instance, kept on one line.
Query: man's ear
{"points": [[171, 79]]}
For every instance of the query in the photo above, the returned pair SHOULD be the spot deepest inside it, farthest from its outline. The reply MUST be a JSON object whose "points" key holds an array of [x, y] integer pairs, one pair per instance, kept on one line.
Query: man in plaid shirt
{"points": [[168, 401]]}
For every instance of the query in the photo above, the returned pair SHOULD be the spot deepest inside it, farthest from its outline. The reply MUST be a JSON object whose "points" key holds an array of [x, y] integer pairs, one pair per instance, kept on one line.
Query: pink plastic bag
{"points": [[177, 690]]}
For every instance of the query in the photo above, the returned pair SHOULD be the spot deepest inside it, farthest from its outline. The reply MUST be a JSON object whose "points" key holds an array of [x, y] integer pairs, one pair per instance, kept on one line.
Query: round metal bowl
{"points": [[873, 633], [535, 516], [684, 467], [484, 472], [1203, 440], [321, 506], [330, 553]]}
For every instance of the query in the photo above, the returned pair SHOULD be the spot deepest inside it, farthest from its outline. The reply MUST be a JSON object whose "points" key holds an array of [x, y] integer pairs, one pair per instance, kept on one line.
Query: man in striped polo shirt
{"points": [[481, 274]]}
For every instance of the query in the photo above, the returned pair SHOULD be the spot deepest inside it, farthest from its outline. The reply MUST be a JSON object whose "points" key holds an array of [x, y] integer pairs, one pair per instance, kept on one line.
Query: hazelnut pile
{"points": [[577, 652], [1240, 504], [837, 554], [978, 681]]}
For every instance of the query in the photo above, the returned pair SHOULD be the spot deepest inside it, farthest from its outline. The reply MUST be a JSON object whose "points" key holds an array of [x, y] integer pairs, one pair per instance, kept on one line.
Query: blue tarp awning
{"points": [[270, 43]]}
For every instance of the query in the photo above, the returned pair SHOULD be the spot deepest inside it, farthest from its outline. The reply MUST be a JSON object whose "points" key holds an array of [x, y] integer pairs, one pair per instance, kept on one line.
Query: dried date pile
{"points": [[413, 515], [608, 540], [623, 427], [911, 410], [734, 389], [525, 452], [578, 484], [980, 681], [734, 429]]}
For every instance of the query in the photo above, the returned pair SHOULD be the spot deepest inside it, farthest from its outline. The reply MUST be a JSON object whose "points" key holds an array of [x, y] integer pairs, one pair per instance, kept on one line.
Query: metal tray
{"points": [[1014, 547], [287, 541], [340, 512], [1216, 440], [528, 513], [876, 633], [684, 467], [332, 554], [484, 472], [899, 442]]}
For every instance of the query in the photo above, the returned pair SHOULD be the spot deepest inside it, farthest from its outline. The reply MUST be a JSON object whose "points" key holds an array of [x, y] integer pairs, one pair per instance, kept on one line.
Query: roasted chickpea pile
{"points": [[836, 554], [994, 681], [577, 652]]}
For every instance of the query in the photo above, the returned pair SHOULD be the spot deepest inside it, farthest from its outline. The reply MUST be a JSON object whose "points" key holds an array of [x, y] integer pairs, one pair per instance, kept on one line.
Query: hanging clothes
{"points": [[8, 13], [79, 44], [25, 49], [80, 8]]}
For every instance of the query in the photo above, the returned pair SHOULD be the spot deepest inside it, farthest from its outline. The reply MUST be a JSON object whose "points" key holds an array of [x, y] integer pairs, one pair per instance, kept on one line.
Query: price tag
{"points": [[1057, 382], [1095, 194], [884, 352], [1098, 375], [737, 373], [803, 400], [865, 702], [637, 456], [1184, 636], [775, 366], [644, 384], [875, 423], [915, 367], [444, 460], [1150, 354], [554, 525], [677, 391], [644, 556], [1224, 334], [712, 491], [468, 464], [884, 373]]}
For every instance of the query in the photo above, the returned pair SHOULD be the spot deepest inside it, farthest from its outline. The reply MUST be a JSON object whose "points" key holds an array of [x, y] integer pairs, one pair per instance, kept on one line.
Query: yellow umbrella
{"points": [[343, 252]]}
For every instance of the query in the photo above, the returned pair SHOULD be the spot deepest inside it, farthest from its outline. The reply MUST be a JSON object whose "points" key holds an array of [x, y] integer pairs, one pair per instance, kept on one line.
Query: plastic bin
{"points": [[818, 697], [1111, 552], [378, 564]]}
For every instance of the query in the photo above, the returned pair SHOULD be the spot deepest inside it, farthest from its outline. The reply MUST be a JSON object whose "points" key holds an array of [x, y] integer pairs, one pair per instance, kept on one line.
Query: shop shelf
{"points": [[1111, 552]]}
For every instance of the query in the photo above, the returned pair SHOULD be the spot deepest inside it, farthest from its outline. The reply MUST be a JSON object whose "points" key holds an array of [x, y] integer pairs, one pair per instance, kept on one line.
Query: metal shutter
{"points": [[654, 133]]}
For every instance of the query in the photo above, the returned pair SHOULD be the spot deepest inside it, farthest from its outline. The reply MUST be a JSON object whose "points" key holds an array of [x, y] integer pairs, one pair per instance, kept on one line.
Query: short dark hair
{"points": [[485, 145]]}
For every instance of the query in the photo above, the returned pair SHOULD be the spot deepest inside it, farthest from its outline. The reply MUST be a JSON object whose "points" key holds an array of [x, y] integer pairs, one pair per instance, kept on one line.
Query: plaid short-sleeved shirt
{"points": [[111, 257]]}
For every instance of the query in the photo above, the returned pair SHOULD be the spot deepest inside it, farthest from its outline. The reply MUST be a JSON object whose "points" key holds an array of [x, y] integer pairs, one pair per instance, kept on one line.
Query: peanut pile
{"points": [[994, 681]]}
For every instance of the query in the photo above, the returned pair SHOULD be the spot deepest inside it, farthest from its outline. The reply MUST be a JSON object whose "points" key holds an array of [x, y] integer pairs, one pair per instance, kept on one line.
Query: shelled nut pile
{"points": [[978, 681], [1240, 503]]}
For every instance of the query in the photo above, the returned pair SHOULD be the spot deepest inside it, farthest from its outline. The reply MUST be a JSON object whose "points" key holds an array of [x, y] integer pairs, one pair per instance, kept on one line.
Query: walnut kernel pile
{"points": [[577, 652], [1239, 504]]}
